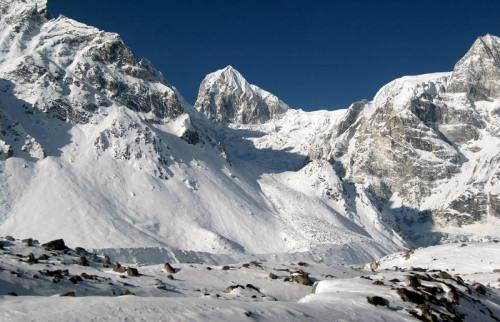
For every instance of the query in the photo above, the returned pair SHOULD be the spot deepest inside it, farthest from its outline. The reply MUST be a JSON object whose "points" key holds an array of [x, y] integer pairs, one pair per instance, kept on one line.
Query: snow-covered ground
{"points": [[35, 286]]}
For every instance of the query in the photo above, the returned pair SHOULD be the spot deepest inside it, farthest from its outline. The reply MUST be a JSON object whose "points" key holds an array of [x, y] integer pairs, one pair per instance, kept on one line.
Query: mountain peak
{"points": [[226, 96], [478, 72]]}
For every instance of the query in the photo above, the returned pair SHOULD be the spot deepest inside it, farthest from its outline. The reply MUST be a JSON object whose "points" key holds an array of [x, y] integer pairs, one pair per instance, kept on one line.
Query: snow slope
{"points": [[98, 148]]}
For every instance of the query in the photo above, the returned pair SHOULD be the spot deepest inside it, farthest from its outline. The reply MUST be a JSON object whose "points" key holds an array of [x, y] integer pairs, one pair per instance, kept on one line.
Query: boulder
{"points": [[273, 276], [83, 261], [57, 244], [43, 257], [31, 259], [118, 268], [168, 268], [131, 271], [301, 278], [81, 251], [28, 241], [410, 296], [377, 301]]}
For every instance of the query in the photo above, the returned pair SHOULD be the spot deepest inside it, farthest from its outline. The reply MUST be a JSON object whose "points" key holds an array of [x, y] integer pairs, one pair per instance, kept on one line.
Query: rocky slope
{"points": [[98, 148]]}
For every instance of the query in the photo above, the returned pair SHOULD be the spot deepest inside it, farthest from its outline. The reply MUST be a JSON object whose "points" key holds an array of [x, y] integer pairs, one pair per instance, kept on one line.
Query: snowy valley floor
{"points": [[454, 282]]}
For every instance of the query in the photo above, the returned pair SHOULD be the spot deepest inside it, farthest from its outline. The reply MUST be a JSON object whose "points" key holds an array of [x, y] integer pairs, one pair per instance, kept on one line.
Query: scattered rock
{"points": [[231, 288], [444, 275], [132, 271], [250, 286], [58, 273], [118, 268], [410, 296], [377, 301], [413, 281], [378, 283], [10, 238], [408, 254], [57, 244], [12, 294], [43, 257], [75, 279], [83, 261], [226, 268], [31, 259], [28, 242], [302, 264], [170, 277], [480, 288], [301, 278], [88, 276], [81, 251], [168, 268], [374, 265], [72, 294], [107, 261], [273, 276]]}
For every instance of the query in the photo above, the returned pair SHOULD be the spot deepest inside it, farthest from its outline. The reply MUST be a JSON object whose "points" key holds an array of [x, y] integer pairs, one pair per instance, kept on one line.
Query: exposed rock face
{"points": [[478, 72], [422, 132], [76, 69], [225, 96]]}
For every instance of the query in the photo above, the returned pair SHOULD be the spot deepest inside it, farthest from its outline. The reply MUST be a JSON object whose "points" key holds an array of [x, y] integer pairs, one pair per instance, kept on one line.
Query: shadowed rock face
{"points": [[225, 96]]}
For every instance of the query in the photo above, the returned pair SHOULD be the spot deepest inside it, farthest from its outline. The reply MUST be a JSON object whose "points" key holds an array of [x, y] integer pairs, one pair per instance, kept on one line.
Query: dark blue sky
{"points": [[312, 54]]}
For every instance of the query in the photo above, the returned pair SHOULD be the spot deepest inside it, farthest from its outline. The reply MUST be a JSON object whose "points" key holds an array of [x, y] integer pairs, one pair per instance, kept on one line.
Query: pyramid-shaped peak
{"points": [[478, 72], [226, 96]]}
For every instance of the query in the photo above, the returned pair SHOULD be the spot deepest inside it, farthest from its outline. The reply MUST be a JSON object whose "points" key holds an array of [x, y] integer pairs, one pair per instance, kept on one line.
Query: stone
{"points": [[107, 261], [118, 268], [81, 251], [413, 281], [301, 278], [168, 268], [252, 287], [57, 244], [31, 259], [273, 276], [75, 279], [83, 261], [43, 257], [377, 301], [28, 241], [410, 296], [131, 271]]}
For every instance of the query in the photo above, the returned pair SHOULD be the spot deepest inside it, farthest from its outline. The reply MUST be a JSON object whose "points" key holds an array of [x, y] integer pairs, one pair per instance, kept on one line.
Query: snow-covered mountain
{"points": [[99, 149], [226, 96]]}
